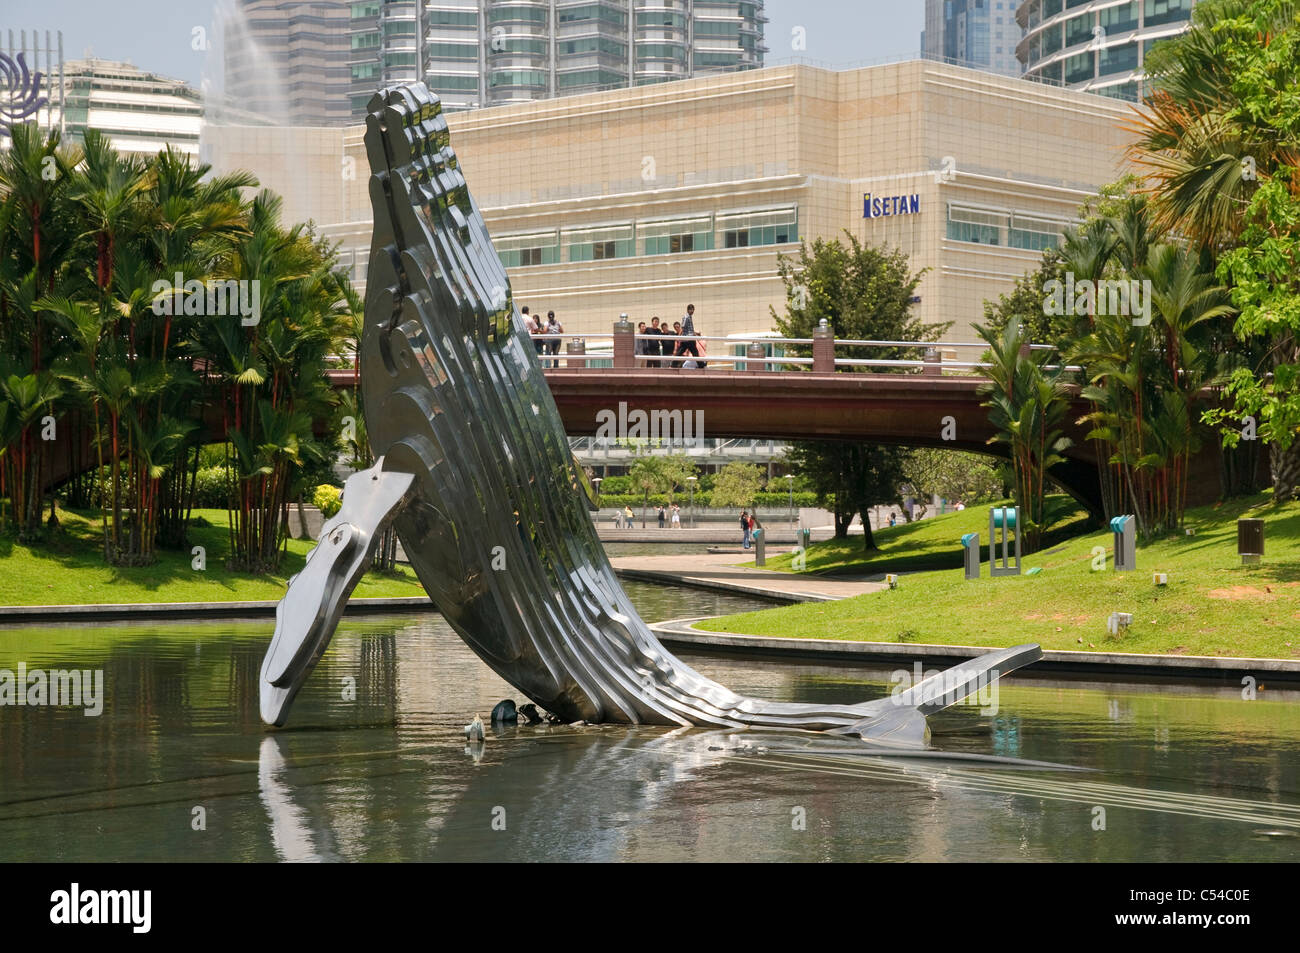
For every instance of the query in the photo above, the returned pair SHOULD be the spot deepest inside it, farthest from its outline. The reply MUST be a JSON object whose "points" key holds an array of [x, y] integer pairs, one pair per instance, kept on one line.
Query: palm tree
{"points": [[1207, 152], [1027, 406]]}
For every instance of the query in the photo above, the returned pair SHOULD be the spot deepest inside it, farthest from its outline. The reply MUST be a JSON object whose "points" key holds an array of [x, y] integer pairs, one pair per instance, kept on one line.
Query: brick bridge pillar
{"points": [[624, 344]]}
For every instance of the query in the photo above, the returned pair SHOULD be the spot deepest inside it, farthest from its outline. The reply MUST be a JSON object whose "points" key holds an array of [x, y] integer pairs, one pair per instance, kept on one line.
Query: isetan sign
{"points": [[882, 206]]}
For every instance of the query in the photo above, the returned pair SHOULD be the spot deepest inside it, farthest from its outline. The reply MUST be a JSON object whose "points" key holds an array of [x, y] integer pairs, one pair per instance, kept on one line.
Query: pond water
{"points": [[373, 766]]}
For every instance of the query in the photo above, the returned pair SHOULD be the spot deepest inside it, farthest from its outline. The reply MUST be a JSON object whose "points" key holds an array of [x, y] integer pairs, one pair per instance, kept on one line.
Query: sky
{"points": [[159, 35]]}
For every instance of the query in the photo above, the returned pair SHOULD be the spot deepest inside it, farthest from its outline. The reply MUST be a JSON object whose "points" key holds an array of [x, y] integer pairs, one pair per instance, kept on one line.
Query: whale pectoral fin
{"points": [[899, 720], [306, 617]]}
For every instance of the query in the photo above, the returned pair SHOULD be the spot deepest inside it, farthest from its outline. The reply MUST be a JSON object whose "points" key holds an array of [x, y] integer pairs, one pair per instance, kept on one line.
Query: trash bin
{"points": [[1250, 541], [754, 355], [805, 539], [760, 550]]}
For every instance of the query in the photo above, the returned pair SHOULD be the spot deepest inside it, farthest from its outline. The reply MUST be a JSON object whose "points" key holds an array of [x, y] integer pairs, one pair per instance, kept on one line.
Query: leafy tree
{"points": [[1221, 138], [862, 293], [953, 475], [655, 473], [737, 484]]}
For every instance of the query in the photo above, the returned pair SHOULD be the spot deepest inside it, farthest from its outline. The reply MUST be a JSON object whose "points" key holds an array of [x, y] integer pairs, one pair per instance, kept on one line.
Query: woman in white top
{"points": [[677, 517]]}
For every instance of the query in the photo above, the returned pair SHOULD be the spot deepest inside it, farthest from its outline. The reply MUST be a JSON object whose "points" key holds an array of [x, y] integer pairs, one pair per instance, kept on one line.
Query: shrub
{"points": [[327, 499]]}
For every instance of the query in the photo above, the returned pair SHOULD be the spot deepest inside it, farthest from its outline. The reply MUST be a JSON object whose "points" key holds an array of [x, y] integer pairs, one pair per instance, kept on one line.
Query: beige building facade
{"points": [[643, 200]]}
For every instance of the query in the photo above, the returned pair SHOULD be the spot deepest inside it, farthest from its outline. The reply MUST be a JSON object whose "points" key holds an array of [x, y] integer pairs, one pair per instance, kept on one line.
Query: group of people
{"points": [[673, 514], [537, 326], [748, 523], [685, 354]]}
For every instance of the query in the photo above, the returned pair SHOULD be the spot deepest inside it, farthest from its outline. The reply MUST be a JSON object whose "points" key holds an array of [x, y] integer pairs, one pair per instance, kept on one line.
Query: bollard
{"points": [[1006, 519], [575, 347], [760, 548], [1125, 543], [971, 544], [1250, 541]]}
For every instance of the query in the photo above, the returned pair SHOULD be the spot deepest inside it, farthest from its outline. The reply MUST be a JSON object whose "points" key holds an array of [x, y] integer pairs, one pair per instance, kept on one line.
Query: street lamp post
{"points": [[789, 482], [691, 482], [596, 480]]}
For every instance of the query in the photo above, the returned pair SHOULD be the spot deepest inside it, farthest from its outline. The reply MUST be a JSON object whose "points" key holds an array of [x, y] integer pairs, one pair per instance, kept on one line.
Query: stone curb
{"points": [[680, 632], [164, 610]]}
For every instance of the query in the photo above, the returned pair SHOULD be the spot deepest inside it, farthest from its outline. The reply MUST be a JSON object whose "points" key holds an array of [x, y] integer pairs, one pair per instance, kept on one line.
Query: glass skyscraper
{"points": [[486, 52], [978, 33], [1096, 46]]}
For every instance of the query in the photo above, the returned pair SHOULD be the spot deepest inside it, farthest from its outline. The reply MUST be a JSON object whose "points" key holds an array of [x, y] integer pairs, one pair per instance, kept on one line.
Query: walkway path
{"points": [[720, 571]]}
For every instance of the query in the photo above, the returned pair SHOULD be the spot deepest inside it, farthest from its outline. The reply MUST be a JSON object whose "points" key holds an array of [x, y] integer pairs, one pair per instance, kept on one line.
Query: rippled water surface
{"points": [[374, 765]]}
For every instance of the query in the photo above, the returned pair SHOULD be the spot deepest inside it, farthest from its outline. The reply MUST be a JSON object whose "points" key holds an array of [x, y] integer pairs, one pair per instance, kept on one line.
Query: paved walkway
{"points": [[720, 571]]}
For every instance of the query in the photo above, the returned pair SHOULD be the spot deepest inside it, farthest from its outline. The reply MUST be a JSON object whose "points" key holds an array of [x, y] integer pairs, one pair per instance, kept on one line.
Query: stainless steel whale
{"points": [[475, 474]]}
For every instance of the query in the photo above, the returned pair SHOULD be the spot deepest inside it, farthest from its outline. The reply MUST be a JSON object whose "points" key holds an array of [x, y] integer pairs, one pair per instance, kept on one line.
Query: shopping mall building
{"points": [[642, 200]]}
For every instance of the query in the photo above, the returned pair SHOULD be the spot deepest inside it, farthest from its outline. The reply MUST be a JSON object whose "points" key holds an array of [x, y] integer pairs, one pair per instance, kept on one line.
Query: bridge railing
{"points": [[624, 350]]}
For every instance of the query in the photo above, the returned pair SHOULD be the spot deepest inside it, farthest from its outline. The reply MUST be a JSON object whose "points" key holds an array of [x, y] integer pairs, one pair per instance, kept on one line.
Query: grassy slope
{"points": [[1212, 605], [929, 544], [68, 570]]}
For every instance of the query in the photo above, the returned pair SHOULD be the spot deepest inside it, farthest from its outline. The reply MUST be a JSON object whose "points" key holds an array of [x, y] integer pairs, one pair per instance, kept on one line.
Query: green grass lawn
{"points": [[933, 543], [67, 569], [1212, 605]]}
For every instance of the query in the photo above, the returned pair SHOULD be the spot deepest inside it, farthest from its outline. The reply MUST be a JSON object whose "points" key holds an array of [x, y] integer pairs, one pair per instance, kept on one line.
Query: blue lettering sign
{"points": [[884, 206]]}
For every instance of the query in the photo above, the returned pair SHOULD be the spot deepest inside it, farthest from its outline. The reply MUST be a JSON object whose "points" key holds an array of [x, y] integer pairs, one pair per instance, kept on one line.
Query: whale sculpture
{"points": [[475, 475]]}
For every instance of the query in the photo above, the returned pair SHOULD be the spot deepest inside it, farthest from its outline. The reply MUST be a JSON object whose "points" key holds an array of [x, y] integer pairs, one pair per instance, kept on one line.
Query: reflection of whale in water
{"points": [[612, 792], [476, 476]]}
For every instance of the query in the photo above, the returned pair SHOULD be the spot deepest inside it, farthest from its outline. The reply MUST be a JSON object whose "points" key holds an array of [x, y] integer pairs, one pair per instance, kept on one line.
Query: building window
{"points": [[1051, 40], [1034, 232], [746, 229], [600, 243], [525, 14], [676, 236], [365, 41], [666, 19], [450, 81], [1118, 59], [452, 51], [369, 9], [976, 225], [1159, 12], [450, 18], [1079, 29], [591, 11], [592, 44], [1079, 68], [533, 78], [1121, 19], [590, 77], [1125, 91], [535, 248]]}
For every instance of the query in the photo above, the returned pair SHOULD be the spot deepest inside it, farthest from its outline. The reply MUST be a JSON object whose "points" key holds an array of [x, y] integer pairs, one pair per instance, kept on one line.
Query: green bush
{"points": [[327, 499], [210, 488]]}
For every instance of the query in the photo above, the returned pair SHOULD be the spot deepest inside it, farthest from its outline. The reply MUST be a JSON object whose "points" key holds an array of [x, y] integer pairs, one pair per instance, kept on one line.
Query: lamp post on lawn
{"points": [[691, 481], [596, 480], [789, 482]]}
